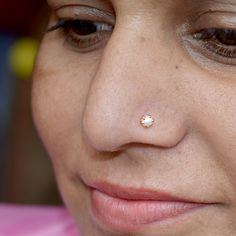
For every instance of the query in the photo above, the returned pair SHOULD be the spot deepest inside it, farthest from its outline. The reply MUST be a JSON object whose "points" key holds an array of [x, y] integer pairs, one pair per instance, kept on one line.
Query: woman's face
{"points": [[101, 68]]}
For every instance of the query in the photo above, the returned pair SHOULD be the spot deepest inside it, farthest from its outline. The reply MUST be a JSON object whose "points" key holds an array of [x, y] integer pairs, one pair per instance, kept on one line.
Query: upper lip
{"points": [[132, 193]]}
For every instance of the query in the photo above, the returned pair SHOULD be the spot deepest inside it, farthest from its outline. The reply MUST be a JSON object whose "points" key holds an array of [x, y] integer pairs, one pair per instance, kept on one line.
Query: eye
{"points": [[84, 35], [221, 42]]}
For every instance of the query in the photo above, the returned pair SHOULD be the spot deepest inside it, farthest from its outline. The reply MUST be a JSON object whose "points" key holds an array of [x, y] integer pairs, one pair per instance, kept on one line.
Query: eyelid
{"points": [[82, 41], [215, 19], [83, 12], [202, 50]]}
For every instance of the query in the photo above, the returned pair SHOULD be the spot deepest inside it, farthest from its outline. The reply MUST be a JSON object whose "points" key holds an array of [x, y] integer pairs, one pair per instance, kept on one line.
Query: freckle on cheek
{"points": [[176, 67]]}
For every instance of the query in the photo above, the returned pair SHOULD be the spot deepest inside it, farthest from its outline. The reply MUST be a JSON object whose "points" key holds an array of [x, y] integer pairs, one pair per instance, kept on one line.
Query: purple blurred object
{"points": [[36, 221]]}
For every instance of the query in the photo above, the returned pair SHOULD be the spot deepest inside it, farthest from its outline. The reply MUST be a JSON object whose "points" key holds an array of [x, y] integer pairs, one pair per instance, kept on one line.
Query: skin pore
{"points": [[102, 65]]}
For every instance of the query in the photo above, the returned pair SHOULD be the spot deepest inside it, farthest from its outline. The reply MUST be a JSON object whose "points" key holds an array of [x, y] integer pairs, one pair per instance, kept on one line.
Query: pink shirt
{"points": [[35, 221]]}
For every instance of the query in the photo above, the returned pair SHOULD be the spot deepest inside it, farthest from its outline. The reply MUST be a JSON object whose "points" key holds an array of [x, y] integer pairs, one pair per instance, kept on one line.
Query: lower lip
{"points": [[134, 215]]}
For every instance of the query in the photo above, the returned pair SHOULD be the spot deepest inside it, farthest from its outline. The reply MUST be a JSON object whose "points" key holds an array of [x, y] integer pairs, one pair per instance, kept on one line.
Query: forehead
{"points": [[229, 5], [232, 2]]}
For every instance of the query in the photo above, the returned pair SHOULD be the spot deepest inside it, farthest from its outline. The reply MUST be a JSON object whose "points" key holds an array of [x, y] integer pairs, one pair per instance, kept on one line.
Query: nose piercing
{"points": [[147, 121]]}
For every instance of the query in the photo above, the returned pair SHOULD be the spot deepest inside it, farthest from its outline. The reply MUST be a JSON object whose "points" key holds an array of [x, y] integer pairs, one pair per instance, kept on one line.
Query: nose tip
{"points": [[103, 131]]}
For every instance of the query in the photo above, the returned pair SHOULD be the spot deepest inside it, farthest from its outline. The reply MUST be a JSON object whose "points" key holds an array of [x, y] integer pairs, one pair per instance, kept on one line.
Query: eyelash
{"points": [[221, 42], [83, 35]]}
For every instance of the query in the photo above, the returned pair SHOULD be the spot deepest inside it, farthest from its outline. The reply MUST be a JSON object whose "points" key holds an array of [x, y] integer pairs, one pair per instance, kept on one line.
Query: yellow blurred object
{"points": [[22, 56]]}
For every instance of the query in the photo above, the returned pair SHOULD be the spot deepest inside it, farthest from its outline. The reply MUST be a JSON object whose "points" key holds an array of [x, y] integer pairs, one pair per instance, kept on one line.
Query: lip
{"points": [[132, 193], [129, 209]]}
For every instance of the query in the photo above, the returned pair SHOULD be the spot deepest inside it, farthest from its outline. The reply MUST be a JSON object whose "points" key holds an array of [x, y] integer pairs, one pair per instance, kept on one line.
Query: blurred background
{"points": [[26, 176]]}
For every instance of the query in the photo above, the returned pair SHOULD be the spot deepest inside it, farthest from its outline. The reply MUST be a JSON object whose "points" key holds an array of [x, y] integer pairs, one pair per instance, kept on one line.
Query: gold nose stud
{"points": [[147, 121]]}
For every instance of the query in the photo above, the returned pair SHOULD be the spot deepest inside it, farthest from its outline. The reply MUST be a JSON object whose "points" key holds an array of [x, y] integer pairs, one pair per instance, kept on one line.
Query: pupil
{"points": [[84, 27], [227, 38]]}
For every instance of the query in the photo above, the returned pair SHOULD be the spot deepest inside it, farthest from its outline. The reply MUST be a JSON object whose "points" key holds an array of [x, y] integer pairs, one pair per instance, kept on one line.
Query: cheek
{"points": [[213, 113], [58, 100], [221, 128]]}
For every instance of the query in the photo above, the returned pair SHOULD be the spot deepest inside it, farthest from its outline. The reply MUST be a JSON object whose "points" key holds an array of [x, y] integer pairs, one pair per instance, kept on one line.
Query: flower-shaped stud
{"points": [[147, 121]]}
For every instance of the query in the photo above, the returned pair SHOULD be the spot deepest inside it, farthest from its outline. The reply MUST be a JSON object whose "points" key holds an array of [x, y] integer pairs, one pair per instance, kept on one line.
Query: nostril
{"points": [[97, 135]]}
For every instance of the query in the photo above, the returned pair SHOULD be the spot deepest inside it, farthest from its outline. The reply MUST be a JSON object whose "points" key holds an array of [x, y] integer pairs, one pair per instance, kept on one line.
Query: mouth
{"points": [[129, 209]]}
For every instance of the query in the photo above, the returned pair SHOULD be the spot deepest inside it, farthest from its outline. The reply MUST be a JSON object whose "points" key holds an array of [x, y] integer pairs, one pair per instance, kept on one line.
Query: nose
{"points": [[132, 82]]}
